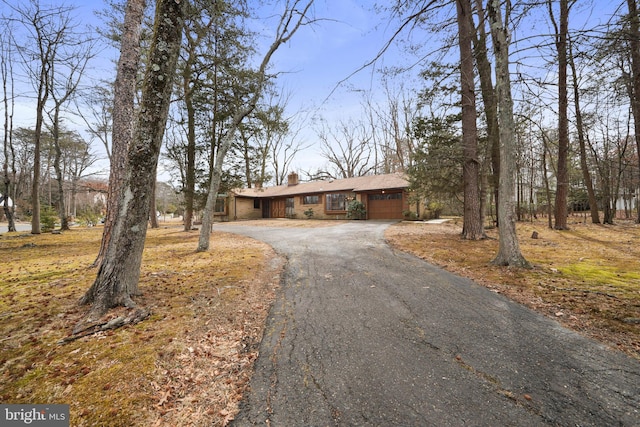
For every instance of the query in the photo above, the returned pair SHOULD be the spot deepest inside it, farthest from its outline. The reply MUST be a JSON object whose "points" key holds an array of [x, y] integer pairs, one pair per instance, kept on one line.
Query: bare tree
{"points": [[66, 73], [47, 30], [96, 109], [78, 160], [509, 247], [347, 148], [390, 123], [118, 275], [8, 165], [294, 16], [580, 127], [284, 149]]}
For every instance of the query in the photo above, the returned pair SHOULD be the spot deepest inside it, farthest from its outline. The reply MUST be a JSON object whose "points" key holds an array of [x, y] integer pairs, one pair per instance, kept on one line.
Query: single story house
{"points": [[384, 197]]}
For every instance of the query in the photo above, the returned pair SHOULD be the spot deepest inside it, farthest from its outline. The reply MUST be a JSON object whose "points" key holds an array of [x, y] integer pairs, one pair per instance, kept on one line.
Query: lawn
{"points": [[587, 277], [187, 364], [190, 362]]}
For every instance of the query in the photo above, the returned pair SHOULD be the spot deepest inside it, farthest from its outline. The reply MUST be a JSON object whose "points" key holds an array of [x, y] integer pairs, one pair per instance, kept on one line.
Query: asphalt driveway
{"points": [[363, 335]]}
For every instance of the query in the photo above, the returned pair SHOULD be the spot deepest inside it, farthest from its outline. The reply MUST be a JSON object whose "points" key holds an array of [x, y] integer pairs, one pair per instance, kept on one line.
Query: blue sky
{"points": [[347, 35], [319, 56]]}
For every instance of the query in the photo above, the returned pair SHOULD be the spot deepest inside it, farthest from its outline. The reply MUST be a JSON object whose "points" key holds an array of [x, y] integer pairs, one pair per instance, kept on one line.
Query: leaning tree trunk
{"points": [[123, 114], [509, 248], [472, 228], [118, 276], [290, 21]]}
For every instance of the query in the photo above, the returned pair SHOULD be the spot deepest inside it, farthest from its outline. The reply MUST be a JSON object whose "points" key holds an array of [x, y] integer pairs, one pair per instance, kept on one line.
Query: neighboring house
{"points": [[384, 197]]}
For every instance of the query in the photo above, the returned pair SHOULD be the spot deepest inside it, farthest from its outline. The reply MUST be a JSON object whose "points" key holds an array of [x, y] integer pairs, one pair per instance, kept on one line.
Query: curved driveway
{"points": [[363, 335]]}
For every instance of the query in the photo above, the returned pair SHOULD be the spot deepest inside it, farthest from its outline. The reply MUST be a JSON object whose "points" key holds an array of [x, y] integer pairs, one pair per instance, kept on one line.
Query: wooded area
{"points": [[521, 111]]}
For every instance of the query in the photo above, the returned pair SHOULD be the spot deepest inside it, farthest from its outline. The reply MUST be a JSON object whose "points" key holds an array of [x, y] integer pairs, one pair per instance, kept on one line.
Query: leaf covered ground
{"points": [[186, 365], [587, 277], [189, 363]]}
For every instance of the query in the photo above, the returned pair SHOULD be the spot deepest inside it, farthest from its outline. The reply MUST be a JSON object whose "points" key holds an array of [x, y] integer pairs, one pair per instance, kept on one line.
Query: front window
{"points": [[256, 203], [290, 208], [336, 202], [310, 200]]}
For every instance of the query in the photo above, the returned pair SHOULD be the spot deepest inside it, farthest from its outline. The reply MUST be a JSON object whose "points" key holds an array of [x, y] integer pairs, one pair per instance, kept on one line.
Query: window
{"points": [[256, 203], [289, 208], [221, 206], [336, 202], [388, 196], [310, 200]]}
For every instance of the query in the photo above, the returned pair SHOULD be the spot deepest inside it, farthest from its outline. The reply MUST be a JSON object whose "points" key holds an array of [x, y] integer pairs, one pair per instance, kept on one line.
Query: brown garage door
{"points": [[385, 206]]}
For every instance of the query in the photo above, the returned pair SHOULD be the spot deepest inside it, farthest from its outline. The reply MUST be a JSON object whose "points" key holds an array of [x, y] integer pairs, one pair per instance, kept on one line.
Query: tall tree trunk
{"points": [[123, 114], [562, 186], [153, 211], [8, 151], [62, 211], [190, 172], [586, 175], [634, 43], [545, 177], [488, 98], [246, 156], [472, 228], [509, 247], [119, 272], [43, 94]]}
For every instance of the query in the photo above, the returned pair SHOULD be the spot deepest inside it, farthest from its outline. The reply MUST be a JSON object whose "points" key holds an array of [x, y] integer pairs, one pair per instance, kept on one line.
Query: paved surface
{"points": [[20, 226], [362, 335]]}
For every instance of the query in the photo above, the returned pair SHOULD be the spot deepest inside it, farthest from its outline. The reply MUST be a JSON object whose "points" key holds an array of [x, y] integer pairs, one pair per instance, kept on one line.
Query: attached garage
{"points": [[385, 205], [384, 197]]}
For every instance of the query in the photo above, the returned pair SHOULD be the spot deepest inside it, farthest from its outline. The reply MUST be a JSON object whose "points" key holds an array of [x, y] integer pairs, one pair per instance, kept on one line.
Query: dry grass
{"points": [[188, 364], [588, 277]]}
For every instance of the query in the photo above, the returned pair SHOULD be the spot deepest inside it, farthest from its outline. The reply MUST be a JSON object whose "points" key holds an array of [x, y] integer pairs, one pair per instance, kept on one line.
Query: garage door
{"points": [[385, 206]]}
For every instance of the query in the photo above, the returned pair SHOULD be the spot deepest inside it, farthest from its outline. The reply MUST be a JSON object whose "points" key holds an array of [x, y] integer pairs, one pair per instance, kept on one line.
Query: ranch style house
{"points": [[383, 196]]}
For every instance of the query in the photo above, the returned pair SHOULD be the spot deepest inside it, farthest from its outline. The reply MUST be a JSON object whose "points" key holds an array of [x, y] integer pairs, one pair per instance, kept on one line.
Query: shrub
{"points": [[88, 217], [48, 217], [356, 210], [308, 213], [410, 215]]}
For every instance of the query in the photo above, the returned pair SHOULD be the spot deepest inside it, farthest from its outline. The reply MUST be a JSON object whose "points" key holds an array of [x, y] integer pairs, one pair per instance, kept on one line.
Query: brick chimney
{"points": [[292, 179]]}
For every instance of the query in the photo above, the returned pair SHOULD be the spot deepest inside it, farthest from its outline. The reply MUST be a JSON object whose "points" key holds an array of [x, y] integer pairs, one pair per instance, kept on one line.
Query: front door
{"points": [[278, 208]]}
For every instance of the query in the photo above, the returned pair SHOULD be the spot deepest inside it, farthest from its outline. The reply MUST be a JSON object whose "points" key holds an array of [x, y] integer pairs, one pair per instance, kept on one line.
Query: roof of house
{"points": [[357, 184]]}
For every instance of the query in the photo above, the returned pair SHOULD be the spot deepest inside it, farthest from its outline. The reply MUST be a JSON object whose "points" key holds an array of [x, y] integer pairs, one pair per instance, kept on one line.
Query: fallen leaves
{"points": [[585, 277], [187, 363]]}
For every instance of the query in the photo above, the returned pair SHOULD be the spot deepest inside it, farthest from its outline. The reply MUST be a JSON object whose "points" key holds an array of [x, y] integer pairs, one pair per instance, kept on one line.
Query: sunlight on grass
{"points": [[114, 378], [586, 277]]}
